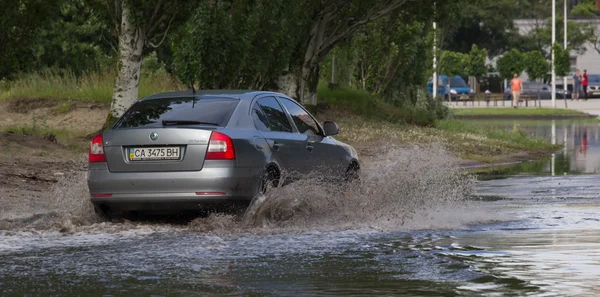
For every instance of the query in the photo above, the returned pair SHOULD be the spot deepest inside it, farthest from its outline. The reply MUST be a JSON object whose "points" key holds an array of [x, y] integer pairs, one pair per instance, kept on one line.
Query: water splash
{"points": [[64, 207], [404, 188], [417, 187]]}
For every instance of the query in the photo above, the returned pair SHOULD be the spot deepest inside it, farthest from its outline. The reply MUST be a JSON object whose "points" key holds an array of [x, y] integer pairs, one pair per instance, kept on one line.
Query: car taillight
{"points": [[220, 147], [97, 149]]}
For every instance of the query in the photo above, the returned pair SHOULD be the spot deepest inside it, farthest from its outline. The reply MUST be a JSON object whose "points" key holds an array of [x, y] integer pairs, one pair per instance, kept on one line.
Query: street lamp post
{"points": [[552, 50], [434, 80], [565, 47]]}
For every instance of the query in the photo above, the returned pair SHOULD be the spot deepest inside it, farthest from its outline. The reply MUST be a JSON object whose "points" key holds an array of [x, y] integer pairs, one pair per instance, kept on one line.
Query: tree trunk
{"points": [[131, 45], [287, 83]]}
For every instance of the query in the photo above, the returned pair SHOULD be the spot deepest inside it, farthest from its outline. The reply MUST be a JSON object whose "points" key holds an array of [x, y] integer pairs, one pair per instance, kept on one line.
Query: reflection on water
{"points": [[580, 140]]}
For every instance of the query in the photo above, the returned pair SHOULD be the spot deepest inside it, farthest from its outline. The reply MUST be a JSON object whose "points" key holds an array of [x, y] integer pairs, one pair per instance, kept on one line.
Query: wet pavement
{"points": [[521, 231]]}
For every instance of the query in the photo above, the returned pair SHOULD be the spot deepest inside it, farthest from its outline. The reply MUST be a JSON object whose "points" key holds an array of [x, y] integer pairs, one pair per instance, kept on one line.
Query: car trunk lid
{"points": [[151, 150]]}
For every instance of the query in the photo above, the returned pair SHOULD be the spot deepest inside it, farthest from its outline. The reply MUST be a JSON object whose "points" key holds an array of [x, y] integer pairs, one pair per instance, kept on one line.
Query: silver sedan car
{"points": [[193, 150]]}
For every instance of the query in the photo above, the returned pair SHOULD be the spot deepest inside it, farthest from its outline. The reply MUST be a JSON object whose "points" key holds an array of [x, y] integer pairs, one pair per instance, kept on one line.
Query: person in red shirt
{"points": [[584, 83]]}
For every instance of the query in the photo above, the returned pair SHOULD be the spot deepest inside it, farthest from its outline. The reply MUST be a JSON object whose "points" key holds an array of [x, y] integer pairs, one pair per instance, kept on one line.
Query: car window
{"points": [[458, 82], [304, 122], [594, 78], [276, 118], [260, 119], [152, 113]]}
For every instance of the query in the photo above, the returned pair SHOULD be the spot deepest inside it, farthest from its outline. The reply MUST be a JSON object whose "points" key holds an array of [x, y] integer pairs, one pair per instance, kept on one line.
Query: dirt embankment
{"points": [[77, 117], [31, 164]]}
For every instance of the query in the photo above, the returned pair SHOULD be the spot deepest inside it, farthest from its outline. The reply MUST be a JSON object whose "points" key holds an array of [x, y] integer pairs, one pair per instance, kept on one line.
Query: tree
{"points": [[331, 23], [510, 63], [390, 56], [140, 25], [587, 9], [562, 63], [454, 63], [236, 44], [562, 60], [76, 39], [536, 65], [475, 62], [20, 21], [487, 23]]}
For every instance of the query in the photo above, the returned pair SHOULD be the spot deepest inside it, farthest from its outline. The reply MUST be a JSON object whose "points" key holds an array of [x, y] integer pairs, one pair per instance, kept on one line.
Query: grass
{"points": [[514, 111], [512, 138], [91, 87], [462, 138], [365, 119], [369, 106]]}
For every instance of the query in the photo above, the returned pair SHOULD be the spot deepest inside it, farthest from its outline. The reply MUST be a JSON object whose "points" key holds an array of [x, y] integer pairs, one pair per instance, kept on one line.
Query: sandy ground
{"points": [[30, 165], [591, 106]]}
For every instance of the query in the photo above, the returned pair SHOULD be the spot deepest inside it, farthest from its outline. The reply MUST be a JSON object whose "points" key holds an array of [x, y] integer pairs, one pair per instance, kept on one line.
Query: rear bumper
{"points": [[135, 190]]}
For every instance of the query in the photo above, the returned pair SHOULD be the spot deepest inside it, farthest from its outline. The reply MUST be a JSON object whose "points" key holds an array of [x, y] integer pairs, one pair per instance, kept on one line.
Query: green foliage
{"points": [[562, 60], [453, 63], [77, 39], [236, 44], [372, 107], [487, 23], [510, 63], [389, 56], [541, 35], [20, 22], [471, 64], [585, 8], [475, 64], [536, 65]]}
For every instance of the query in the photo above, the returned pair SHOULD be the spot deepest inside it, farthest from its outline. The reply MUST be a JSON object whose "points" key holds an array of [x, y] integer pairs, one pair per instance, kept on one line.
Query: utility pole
{"points": [[434, 80], [552, 49], [565, 47]]}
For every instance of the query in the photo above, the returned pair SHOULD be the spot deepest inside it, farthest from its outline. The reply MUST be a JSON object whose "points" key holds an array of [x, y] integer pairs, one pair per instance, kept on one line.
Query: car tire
{"points": [[352, 174], [103, 213]]}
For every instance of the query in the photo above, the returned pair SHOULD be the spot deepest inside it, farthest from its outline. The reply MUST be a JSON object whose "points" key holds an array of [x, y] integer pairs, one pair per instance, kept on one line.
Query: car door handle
{"points": [[277, 145], [309, 148]]}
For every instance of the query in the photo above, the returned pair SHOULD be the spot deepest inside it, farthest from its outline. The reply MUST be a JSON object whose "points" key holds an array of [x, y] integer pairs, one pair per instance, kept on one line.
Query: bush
{"points": [[424, 112]]}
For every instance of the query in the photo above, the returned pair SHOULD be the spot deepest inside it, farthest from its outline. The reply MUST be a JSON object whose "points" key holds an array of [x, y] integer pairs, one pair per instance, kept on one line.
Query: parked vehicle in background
{"points": [[183, 151], [593, 86], [458, 88], [534, 88]]}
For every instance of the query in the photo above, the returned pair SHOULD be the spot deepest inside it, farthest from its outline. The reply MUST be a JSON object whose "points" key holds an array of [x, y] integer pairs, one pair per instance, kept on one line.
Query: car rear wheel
{"points": [[103, 212], [352, 173]]}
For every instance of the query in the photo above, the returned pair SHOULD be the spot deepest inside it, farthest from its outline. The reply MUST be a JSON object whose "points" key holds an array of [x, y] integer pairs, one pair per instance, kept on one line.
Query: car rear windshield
{"points": [[153, 113]]}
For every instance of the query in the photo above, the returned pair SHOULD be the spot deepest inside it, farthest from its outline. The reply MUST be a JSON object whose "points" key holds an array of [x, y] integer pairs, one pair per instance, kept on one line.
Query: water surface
{"points": [[407, 231]]}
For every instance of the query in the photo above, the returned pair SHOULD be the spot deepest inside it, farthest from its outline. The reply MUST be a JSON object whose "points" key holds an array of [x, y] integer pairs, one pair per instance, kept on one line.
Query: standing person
{"points": [[516, 86], [584, 83], [576, 85]]}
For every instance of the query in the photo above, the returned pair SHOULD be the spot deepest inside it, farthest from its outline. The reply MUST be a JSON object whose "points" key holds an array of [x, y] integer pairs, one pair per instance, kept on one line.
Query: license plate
{"points": [[153, 153], [464, 97], [596, 93]]}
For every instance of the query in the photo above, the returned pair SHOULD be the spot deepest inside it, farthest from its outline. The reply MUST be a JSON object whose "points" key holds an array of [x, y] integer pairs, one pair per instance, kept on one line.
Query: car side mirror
{"points": [[545, 89], [331, 128]]}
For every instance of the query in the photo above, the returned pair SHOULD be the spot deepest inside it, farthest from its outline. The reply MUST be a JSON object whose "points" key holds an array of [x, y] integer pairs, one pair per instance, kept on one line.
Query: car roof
{"points": [[239, 94]]}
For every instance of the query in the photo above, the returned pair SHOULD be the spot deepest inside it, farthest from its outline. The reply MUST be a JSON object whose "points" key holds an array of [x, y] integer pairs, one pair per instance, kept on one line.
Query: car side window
{"points": [[277, 120], [260, 119], [304, 122]]}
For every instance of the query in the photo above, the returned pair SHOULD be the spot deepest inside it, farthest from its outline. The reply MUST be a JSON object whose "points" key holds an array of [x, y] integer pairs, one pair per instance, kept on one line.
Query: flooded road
{"points": [[413, 228]]}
